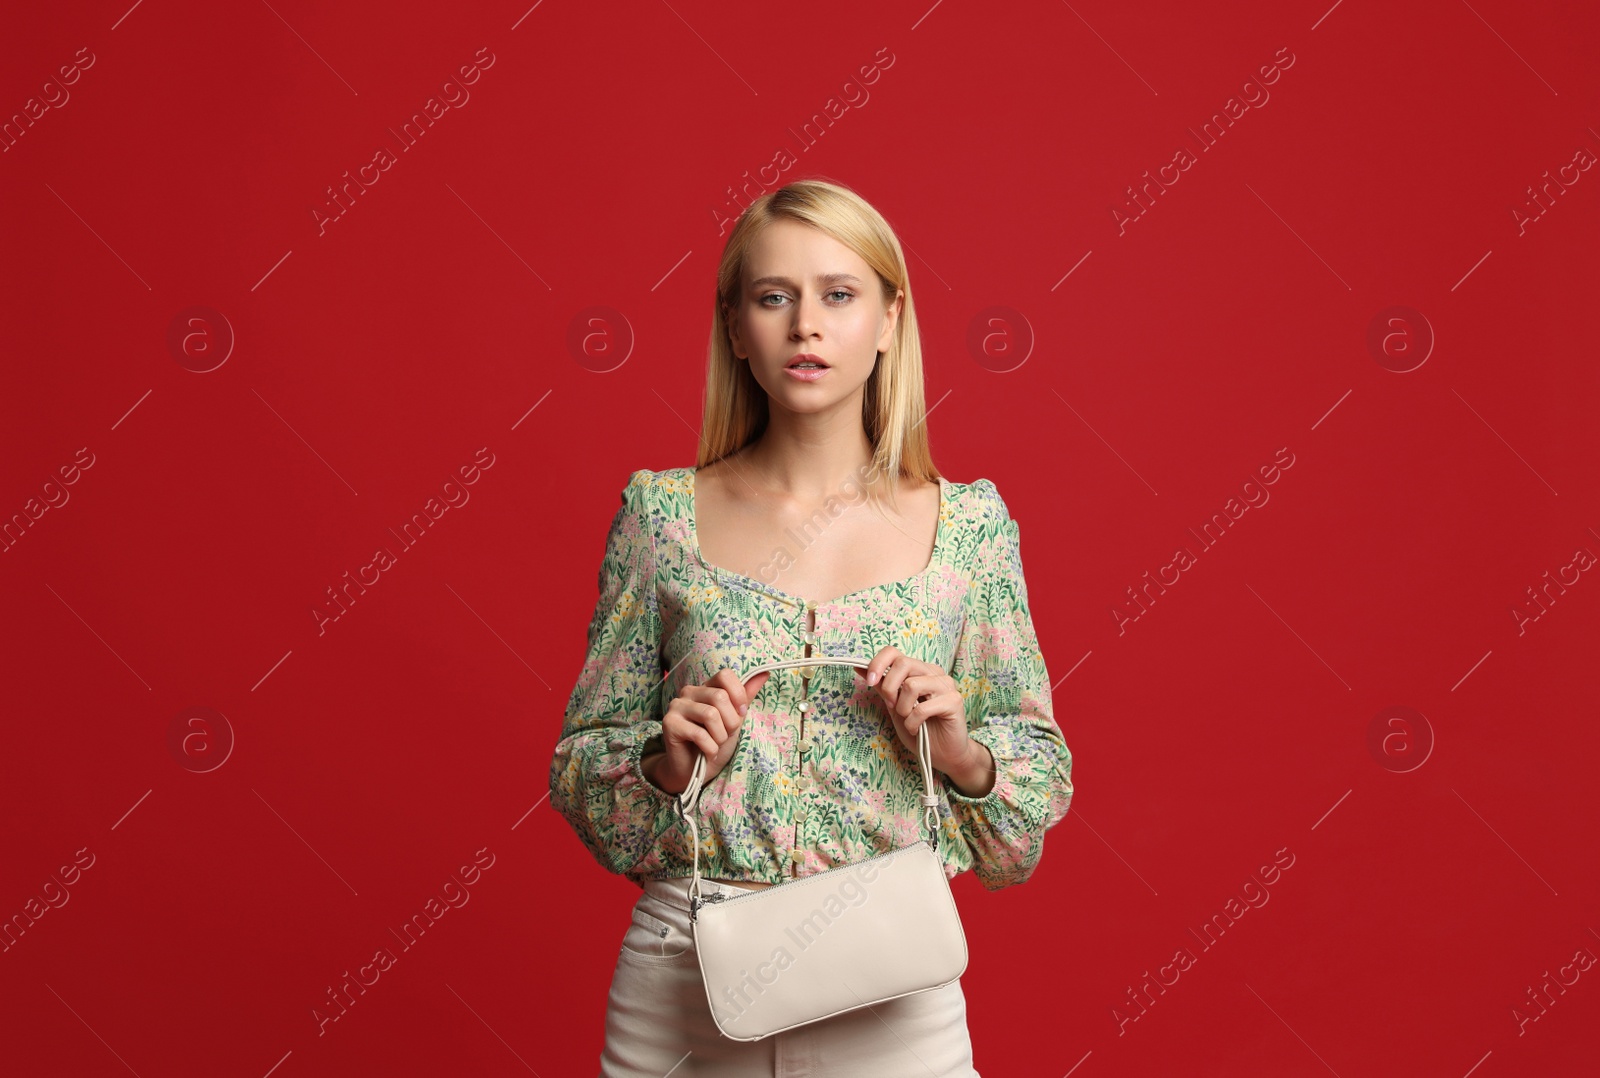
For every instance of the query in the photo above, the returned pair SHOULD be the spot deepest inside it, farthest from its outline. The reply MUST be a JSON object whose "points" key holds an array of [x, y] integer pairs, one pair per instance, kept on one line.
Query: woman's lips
{"points": [[806, 375]]}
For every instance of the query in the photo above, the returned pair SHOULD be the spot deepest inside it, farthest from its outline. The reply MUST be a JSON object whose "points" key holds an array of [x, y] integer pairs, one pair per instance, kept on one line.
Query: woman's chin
{"points": [[810, 400]]}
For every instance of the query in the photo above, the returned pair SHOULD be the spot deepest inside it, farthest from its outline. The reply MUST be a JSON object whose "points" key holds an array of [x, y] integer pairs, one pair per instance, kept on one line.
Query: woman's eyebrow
{"points": [[825, 278]]}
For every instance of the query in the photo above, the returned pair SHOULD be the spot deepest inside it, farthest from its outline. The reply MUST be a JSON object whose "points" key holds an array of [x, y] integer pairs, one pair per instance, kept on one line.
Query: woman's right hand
{"points": [[702, 720]]}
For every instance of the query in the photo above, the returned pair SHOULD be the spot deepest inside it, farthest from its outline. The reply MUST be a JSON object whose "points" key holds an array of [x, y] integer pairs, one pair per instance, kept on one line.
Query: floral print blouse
{"points": [[806, 791]]}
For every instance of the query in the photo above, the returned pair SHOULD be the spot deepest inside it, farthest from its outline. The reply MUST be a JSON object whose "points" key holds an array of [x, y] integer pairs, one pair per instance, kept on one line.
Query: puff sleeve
{"points": [[614, 711], [1005, 689]]}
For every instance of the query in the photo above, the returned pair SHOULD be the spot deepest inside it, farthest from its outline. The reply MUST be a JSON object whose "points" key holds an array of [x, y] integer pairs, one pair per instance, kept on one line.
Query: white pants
{"points": [[658, 1022]]}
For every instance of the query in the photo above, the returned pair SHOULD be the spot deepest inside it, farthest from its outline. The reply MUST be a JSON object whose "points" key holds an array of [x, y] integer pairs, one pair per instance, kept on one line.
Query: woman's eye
{"points": [[845, 296]]}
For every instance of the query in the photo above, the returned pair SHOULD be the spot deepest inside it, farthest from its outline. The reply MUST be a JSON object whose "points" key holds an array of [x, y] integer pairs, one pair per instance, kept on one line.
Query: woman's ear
{"points": [[891, 317]]}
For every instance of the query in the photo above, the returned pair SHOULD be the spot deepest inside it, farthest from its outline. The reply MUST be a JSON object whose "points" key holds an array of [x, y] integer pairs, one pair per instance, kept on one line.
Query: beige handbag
{"points": [[854, 935]]}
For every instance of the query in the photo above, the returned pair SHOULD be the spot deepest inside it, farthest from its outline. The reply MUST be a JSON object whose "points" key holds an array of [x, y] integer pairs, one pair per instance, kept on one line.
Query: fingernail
{"points": [[744, 709], [872, 678]]}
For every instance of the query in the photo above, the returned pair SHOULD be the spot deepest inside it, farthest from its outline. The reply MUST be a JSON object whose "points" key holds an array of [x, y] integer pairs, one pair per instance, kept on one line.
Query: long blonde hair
{"points": [[893, 407]]}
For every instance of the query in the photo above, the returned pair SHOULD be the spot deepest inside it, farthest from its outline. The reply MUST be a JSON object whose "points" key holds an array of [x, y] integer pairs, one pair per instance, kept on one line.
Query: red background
{"points": [[1435, 878]]}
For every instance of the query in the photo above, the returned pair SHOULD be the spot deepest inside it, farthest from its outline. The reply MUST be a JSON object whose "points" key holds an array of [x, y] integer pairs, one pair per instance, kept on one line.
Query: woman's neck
{"points": [[810, 456]]}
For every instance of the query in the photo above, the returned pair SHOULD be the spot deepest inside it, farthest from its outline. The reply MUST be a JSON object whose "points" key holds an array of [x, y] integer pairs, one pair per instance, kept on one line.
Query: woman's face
{"points": [[805, 292]]}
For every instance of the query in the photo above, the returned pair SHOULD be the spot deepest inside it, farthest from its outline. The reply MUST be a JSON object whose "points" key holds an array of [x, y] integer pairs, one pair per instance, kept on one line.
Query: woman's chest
{"points": [[714, 619], [819, 557]]}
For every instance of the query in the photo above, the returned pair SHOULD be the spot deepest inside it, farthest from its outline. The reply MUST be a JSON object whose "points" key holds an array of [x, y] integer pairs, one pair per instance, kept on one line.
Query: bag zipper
{"points": [[696, 902]]}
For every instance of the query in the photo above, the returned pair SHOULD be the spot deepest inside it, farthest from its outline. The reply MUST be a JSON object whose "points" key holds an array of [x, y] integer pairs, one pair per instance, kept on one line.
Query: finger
{"points": [[750, 688], [916, 689], [889, 684], [896, 674], [880, 663], [709, 716], [728, 682], [687, 732], [946, 705], [721, 697], [906, 698]]}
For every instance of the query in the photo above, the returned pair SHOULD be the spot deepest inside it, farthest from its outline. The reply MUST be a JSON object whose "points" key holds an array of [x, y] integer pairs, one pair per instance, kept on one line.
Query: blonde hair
{"points": [[893, 407]]}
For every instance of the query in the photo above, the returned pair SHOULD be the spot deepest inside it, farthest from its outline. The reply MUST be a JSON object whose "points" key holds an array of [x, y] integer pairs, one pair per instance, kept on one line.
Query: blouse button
{"points": [[800, 816], [805, 706], [805, 744], [797, 856]]}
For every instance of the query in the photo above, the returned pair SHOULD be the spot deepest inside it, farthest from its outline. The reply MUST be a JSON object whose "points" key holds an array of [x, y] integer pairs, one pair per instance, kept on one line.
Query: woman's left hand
{"points": [[918, 692]]}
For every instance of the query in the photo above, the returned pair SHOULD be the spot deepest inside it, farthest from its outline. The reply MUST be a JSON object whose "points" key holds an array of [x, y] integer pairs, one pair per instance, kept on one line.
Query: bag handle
{"points": [[689, 799]]}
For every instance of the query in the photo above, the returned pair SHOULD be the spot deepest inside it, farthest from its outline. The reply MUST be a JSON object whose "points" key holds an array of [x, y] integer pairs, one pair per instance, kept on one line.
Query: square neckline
{"points": [[718, 571]]}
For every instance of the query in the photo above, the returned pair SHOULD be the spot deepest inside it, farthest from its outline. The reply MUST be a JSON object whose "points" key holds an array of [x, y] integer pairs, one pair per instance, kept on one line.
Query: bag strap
{"points": [[688, 801]]}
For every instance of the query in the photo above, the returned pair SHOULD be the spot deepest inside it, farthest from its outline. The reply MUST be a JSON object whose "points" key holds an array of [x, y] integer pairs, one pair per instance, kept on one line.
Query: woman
{"points": [[815, 523]]}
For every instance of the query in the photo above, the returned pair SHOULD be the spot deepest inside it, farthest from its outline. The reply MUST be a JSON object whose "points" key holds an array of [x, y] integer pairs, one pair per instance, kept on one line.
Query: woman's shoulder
{"points": [[979, 522], [647, 478], [649, 486], [977, 500]]}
